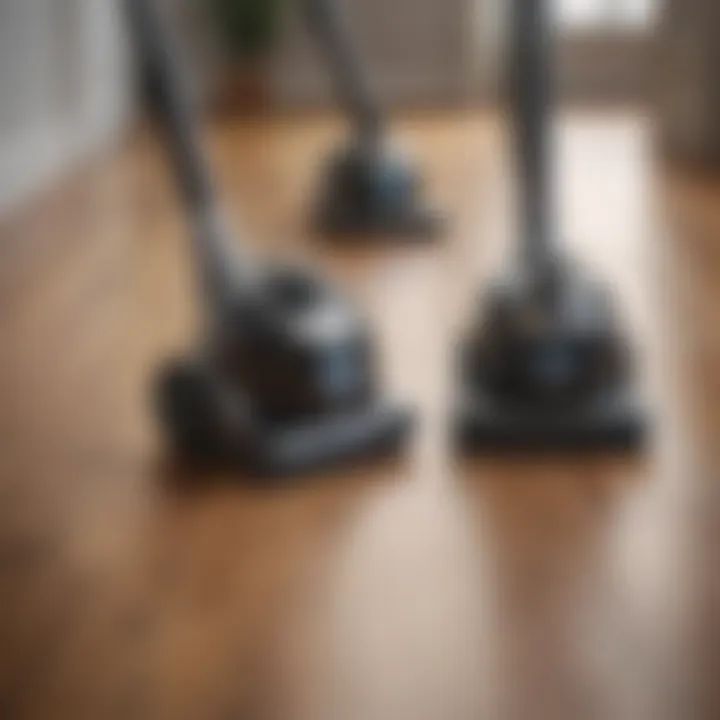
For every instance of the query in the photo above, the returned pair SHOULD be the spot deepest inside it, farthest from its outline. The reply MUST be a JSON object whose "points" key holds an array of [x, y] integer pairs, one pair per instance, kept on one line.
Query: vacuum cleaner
{"points": [[544, 365], [368, 188], [282, 382]]}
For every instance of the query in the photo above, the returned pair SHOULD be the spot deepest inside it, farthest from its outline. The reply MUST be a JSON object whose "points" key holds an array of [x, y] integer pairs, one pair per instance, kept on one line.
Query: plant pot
{"points": [[246, 88]]}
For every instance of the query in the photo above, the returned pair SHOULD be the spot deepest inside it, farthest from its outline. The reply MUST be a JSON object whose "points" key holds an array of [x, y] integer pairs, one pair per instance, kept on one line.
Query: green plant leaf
{"points": [[248, 27]]}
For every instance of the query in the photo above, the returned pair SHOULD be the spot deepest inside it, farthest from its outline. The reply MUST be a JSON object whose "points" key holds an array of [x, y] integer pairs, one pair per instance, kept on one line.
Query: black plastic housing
{"points": [[371, 194], [547, 376], [282, 380], [299, 348]]}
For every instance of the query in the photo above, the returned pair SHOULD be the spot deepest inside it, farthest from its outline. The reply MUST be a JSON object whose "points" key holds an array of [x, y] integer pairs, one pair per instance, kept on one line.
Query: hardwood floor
{"points": [[424, 589]]}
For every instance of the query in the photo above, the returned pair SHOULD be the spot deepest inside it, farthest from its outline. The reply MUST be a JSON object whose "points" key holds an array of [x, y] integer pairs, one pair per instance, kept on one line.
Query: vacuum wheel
{"points": [[189, 408]]}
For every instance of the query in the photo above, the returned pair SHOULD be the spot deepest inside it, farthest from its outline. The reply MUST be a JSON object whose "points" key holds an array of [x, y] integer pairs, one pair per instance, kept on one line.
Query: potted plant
{"points": [[247, 31]]}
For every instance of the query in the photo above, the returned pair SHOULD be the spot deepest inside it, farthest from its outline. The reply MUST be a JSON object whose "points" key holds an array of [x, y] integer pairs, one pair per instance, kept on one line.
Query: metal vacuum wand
{"points": [[328, 26], [531, 102], [222, 268]]}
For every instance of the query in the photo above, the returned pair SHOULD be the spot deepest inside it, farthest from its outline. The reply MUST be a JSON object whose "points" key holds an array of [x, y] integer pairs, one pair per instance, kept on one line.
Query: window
{"points": [[607, 15], [604, 47]]}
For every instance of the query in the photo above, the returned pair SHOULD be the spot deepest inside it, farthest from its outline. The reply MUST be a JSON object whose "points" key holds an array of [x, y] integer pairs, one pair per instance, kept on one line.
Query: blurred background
{"points": [[67, 90], [428, 589]]}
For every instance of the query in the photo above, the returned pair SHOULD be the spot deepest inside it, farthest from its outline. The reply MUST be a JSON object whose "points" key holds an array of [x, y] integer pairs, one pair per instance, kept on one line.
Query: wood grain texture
{"points": [[423, 589]]}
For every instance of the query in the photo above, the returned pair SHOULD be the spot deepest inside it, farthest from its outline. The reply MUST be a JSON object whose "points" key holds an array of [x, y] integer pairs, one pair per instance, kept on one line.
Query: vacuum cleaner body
{"points": [[367, 188], [285, 386], [545, 367], [549, 373], [282, 382], [300, 347], [372, 193]]}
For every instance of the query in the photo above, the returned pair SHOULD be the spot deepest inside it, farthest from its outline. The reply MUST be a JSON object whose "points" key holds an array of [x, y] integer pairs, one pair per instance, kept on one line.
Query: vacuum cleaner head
{"points": [[613, 423], [548, 373], [211, 422], [373, 194], [284, 386]]}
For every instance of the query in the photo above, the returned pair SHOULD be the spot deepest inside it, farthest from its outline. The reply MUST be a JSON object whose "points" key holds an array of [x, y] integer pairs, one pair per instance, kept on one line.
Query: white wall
{"points": [[64, 87]]}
